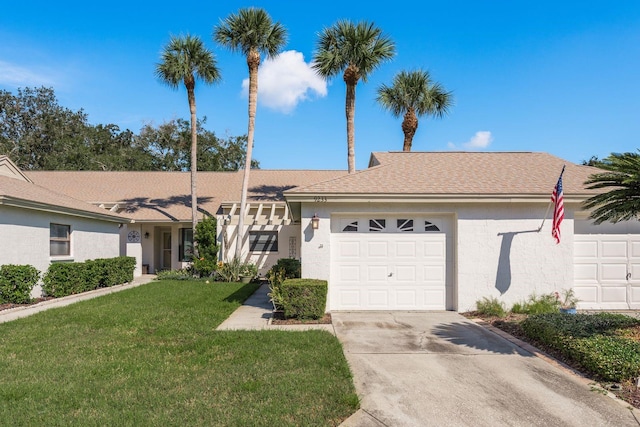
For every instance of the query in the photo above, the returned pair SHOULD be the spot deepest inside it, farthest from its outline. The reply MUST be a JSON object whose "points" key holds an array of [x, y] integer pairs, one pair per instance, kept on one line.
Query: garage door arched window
{"points": [[428, 226], [405, 225], [352, 227], [377, 225]]}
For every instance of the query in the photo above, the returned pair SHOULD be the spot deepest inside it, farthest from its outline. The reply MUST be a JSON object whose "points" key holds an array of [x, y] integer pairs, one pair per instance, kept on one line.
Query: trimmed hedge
{"points": [[16, 283], [64, 279], [304, 298], [591, 341]]}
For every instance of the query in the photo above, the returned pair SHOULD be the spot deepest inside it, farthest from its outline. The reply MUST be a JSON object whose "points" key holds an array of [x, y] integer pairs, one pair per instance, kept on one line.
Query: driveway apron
{"points": [[440, 369]]}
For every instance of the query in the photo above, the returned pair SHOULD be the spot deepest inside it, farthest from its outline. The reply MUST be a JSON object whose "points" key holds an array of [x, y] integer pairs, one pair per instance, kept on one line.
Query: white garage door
{"points": [[607, 271], [388, 270]]}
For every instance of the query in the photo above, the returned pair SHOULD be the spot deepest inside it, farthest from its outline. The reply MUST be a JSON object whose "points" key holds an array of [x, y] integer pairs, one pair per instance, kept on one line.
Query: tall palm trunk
{"points": [[194, 158], [409, 127], [351, 77], [253, 61]]}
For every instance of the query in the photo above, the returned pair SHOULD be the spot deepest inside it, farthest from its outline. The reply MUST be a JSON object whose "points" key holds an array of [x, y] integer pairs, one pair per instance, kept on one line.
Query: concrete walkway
{"points": [[256, 314], [24, 311]]}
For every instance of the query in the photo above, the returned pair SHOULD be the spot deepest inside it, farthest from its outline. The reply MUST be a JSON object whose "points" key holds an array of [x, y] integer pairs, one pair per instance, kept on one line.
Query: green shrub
{"points": [[589, 340], [16, 283], [290, 267], [490, 307], [206, 262], [64, 279], [304, 298], [545, 303]]}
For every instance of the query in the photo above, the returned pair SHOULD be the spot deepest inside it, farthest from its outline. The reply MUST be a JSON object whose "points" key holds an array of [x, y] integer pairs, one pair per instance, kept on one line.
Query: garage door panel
{"points": [[378, 299], [349, 273], [435, 274], [587, 294], [349, 298], [586, 249], [406, 249], [635, 271], [377, 273], [406, 273], [614, 249], [434, 299], [406, 299], [586, 272], [378, 249], [349, 249], [634, 295], [634, 250], [613, 294], [613, 272], [434, 250]]}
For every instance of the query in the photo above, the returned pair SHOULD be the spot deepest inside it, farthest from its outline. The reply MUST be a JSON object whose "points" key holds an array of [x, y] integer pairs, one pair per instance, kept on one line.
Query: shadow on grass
{"points": [[241, 295]]}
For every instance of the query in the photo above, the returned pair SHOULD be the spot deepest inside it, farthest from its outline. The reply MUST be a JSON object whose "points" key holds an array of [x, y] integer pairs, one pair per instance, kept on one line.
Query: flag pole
{"points": [[550, 201]]}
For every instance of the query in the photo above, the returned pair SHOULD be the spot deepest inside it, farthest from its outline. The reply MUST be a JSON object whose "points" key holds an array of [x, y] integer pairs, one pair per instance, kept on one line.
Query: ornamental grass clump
{"points": [[490, 307]]}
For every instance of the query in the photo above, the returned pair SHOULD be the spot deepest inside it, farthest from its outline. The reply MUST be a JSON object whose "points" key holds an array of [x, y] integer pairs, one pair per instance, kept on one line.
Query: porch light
{"points": [[315, 221], [146, 235]]}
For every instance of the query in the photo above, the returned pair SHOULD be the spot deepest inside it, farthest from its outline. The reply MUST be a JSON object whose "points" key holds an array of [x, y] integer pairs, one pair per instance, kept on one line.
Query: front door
{"points": [[166, 250]]}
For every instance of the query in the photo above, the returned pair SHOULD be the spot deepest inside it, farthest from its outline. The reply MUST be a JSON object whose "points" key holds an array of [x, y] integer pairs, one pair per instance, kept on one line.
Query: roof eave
{"points": [[45, 207], [430, 198]]}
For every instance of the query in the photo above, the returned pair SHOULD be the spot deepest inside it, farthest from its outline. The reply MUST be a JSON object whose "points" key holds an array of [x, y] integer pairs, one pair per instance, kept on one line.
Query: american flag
{"points": [[557, 199]]}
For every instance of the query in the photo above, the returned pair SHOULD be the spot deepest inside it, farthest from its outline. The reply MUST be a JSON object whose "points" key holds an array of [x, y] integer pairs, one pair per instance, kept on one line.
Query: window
{"points": [[430, 227], [405, 225], [351, 227], [59, 239], [186, 245], [263, 241], [377, 224]]}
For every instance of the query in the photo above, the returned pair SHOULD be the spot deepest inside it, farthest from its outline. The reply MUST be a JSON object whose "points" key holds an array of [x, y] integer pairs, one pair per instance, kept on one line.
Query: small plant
{"points": [[545, 303], [276, 277], [490, 307], [290, 266], [230, 271], [249, 269], [183, 274], [566, 298]]}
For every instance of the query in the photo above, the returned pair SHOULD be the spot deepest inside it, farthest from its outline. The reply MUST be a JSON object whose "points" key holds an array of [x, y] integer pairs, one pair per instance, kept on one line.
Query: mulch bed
{"points": [[278, 319], [8, 305]]}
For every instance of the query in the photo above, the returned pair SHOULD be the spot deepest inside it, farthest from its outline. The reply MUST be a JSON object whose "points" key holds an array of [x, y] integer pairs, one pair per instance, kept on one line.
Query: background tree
{"points": [[413, 94], [356, 50], [183, 60], [251, 32], [169, 143], [622, 180]]}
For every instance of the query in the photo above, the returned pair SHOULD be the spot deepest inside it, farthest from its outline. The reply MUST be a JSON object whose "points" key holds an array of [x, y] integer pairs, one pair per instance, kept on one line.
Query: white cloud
{"points": [[15, 75], [285, 81], [480, 140]]}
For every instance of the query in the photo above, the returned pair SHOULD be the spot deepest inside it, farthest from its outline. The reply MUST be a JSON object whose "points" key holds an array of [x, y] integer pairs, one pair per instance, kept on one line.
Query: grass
{"points": [[151, 356]]}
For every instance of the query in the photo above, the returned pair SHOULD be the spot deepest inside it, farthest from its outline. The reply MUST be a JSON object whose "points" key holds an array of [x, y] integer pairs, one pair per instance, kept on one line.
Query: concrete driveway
{"points": [[440, 369]]}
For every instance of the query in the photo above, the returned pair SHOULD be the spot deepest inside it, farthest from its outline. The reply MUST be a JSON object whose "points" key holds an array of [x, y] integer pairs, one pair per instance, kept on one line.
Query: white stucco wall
{"points": [[496, 249], [25, 236]]}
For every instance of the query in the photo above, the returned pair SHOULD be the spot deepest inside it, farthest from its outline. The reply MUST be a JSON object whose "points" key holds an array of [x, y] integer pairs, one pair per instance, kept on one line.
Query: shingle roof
{"points": [[16, 192], [458, 173], [165, 196]]}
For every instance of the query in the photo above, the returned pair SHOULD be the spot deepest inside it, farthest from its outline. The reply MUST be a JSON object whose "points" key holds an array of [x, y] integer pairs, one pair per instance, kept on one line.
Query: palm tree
{"points": [[622, 178], [251, 32], [413, 94], [356, 50], [183, 60]]}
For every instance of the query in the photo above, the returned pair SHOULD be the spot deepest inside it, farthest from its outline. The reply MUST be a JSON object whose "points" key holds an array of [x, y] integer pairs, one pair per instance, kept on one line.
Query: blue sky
{"points": [[554, 76]]}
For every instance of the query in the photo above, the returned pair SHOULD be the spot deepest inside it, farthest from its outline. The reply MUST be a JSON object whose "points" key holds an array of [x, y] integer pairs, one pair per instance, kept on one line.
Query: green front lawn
{"points": [[151, 356]]}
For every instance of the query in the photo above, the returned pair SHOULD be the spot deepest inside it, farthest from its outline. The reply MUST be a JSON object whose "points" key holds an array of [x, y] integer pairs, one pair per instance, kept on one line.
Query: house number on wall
{"points": [[319, 199]]}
